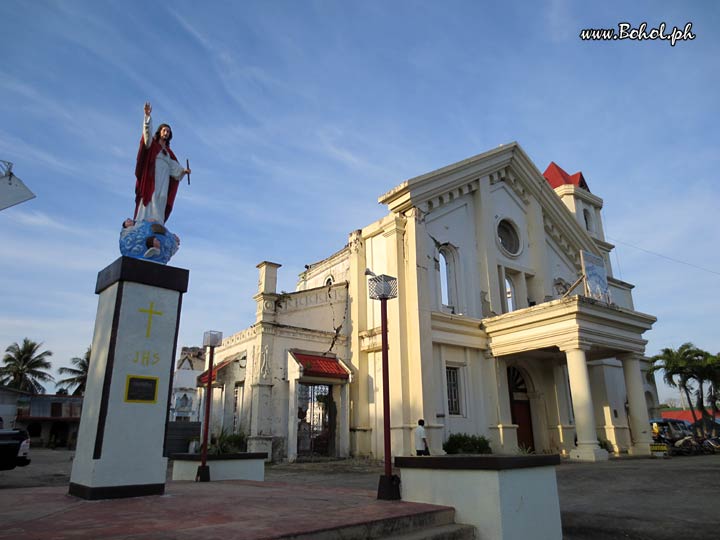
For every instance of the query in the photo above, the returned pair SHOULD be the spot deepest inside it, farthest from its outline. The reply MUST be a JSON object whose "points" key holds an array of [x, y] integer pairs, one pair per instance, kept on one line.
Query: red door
{"points": [[520, 408]]}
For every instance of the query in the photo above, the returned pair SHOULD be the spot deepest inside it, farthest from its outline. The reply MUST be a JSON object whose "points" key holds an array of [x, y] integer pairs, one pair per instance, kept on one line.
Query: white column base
{"points": [[261, 444], [588, 452], [640, 449]]}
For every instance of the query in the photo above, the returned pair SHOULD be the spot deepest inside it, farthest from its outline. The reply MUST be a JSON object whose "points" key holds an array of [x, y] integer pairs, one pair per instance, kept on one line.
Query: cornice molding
{"points": [[580, 193]]}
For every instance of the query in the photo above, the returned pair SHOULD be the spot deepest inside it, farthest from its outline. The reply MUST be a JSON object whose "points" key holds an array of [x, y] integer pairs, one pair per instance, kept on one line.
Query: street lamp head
{"points": [[212, 338], [382, 287]]}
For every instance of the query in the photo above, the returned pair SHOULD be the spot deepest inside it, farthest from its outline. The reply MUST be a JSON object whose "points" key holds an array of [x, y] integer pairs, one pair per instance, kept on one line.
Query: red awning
{"points": [[321, 366], [203, 377]]}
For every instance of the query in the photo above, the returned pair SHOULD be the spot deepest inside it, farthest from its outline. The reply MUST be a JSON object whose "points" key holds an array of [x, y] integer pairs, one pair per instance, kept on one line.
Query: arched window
{"points": [[444, 296], [184, 402], [509, 294], [588, 220], [448, 266], [328, 281]]}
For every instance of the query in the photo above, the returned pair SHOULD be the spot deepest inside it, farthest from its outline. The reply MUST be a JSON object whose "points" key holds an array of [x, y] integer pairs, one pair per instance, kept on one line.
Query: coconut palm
{"points": [[25, 367], [678, 368], [78, 374], [690, 369], [714, 390]]}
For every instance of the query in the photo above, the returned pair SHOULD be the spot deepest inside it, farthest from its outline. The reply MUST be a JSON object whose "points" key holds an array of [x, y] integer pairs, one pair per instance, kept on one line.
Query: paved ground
{"points": [[637, 499]]}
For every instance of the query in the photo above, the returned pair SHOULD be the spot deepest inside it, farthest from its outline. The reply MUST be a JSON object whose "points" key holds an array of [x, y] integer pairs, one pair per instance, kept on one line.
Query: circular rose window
{"points": [[508, 237]]}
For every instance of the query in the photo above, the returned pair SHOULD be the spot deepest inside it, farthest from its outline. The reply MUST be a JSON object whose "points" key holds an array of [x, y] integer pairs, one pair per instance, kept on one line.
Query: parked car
{"points": [[14, 449], [670, 429]]}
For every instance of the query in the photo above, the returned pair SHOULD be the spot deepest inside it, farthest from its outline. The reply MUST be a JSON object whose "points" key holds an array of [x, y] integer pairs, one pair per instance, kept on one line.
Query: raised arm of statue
{"points": [[147, 125]]}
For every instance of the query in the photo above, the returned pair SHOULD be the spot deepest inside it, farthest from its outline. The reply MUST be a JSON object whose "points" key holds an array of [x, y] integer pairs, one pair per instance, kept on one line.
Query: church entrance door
{"points": [[520, 408], [317, 416]]}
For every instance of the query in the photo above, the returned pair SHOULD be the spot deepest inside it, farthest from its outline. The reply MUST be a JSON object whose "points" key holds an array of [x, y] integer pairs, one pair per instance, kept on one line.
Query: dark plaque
{"points": [[141, 389]]}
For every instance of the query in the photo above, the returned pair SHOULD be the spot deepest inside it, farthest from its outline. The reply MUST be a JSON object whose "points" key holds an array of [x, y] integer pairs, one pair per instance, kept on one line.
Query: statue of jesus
{"points": [[158, 173]]}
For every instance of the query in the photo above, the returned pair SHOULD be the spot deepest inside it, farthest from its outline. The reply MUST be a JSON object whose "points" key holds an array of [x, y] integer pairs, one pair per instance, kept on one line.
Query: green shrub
{"points": [[606, 445], [228, 443], [462, 443]]}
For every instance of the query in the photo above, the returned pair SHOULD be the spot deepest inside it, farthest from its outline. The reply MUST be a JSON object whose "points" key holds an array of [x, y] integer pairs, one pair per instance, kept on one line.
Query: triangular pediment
{"points": [[510, 165]]}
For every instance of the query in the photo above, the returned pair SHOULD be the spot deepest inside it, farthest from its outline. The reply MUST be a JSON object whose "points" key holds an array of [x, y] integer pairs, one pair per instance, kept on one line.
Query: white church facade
{"points": [[487, 335]]}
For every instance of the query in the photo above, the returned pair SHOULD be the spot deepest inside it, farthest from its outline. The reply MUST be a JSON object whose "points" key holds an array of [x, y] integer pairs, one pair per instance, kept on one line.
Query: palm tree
{"points": [[689, 369], [25, 367], [78, 374], [708, 371], [678, 368]]}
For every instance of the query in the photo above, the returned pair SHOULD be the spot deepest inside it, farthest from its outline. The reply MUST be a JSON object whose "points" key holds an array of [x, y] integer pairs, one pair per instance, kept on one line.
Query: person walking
{"points": [[421, 443]]}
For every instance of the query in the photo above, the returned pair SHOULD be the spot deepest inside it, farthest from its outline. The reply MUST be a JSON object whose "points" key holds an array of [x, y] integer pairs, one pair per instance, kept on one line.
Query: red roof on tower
{"points": [[556, 177]]}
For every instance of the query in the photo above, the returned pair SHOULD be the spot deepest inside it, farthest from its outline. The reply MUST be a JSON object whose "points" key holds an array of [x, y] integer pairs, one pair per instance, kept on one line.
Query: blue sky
{"points": [[296, 115]]}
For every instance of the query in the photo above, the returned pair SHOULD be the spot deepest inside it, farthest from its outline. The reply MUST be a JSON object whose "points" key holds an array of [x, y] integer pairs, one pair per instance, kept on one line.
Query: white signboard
{"points": [[13, 191], [596, 285]]}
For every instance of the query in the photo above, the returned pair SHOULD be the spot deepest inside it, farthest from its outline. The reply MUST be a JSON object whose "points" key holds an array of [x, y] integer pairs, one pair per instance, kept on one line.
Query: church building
{"points": [[508, 323]]}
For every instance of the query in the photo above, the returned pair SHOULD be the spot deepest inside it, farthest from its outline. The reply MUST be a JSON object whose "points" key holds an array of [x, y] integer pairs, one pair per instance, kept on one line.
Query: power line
{"points": [[664, 256]]}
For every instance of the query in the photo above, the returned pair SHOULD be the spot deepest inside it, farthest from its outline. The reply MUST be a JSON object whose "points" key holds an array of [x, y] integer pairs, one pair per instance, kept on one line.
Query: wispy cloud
{"points": [[41, 220], [19, 150], [561, 24]]}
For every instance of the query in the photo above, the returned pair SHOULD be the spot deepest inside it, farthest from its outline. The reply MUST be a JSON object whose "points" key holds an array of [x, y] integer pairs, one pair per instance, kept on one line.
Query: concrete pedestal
{"points": [[120, 450], [239, 466], [504, 497]]}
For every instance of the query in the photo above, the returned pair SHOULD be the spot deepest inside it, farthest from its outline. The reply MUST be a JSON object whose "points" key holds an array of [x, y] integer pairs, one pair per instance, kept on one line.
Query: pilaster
{"points": [[502, 430], [399, 372], [637, 417], [421, 373], [359, 395]]}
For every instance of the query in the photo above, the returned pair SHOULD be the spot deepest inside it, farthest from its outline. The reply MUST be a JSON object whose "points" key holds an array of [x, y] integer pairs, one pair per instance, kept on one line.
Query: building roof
{"points": [[556, 177], [191, 358], [320, 366], [203, 377], [675, 414]]}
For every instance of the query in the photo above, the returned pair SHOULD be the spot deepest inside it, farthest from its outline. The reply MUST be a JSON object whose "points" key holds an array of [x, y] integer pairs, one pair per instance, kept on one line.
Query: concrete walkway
{"points": [[229, 510], [637, 499]]}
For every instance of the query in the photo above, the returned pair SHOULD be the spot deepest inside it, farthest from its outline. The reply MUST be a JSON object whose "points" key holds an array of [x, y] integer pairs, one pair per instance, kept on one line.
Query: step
{"points": [[454, 531], [389, 528]]}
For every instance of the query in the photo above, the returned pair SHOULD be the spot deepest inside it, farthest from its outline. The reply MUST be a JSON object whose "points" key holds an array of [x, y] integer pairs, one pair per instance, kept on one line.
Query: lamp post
{"points": [[383, 288], [210, 339]]}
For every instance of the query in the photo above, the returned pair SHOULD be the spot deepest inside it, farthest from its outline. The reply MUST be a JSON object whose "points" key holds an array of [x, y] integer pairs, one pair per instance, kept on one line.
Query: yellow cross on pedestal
{"points": [[150, 313]]}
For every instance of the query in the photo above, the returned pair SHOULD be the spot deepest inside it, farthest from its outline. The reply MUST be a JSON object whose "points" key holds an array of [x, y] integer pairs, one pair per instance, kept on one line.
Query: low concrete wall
{"points": [[504, 497], [241, 466]]}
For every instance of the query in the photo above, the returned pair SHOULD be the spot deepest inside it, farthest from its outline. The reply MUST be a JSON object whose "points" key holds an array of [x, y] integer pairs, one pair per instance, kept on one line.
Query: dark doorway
{"points": [[317, 415], [58, 434], [520, 408]]}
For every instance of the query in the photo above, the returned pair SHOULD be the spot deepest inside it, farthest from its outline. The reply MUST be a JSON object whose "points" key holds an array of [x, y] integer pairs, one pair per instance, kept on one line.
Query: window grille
{"points": [[453, 390]]}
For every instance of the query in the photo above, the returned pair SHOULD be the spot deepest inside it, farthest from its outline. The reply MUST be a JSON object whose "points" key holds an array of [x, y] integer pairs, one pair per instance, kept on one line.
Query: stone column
{"points": [[292, 419], [261, 428], [587, 443], [638, 417], [342, 433]]}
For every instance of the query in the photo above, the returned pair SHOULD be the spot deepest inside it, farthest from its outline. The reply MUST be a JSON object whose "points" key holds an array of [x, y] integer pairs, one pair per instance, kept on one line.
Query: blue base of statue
{"points": [[148, 241]]}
